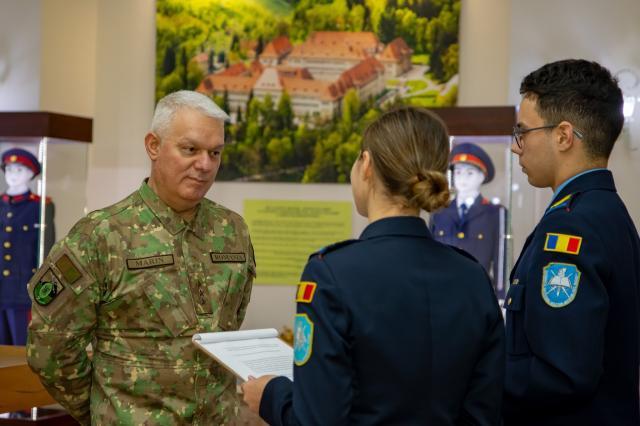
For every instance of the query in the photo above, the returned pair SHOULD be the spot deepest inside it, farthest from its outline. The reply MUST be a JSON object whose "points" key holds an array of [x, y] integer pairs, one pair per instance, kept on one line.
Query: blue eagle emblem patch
{"points": [[560, 284], [302, 339]]}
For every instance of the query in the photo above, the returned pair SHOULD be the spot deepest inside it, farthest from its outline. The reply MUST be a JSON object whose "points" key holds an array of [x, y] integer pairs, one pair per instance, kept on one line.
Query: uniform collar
{"points": [[15, 199], [396, 225], [167, 216], [585, 181]]}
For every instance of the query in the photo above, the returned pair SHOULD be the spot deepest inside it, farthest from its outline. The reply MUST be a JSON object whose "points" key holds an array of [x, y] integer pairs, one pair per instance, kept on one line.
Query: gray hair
{"points": [[170, 104]]}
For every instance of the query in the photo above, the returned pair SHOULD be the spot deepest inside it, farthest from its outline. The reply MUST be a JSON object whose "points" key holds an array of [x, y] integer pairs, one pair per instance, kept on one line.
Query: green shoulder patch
{"points": [[47, 288]]}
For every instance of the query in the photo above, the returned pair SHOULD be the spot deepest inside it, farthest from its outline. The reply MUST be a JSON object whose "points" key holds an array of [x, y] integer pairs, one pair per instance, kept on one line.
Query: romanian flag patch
{"points": [[563, 243], [306, 290]]}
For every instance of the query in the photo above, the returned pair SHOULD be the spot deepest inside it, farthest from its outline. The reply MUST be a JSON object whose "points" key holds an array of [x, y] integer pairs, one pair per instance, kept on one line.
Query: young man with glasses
{"points": [[573, 308]]}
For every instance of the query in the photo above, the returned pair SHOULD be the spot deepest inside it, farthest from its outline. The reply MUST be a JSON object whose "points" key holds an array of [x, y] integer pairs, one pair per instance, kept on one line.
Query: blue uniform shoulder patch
{"points": [[560, 284], [332, 247], [302, 339]]}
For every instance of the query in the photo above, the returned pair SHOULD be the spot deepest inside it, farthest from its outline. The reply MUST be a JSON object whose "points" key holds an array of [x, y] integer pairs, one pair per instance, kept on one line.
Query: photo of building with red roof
{"points": [[316, 73]]}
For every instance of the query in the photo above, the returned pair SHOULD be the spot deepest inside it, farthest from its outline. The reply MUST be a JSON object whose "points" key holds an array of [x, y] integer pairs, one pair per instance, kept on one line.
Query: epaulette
{"points": [[332, 247], [37, 198], [563, 203]]}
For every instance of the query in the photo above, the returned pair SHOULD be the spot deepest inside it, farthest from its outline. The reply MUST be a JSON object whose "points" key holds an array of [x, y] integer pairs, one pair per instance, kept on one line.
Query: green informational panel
{"points": [[284, 233]]}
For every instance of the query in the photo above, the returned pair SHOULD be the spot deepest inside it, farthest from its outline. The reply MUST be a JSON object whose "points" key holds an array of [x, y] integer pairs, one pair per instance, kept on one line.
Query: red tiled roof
{"points": [[324, 90], [236, 69], [395, 50], [362, 73], [337, 45], [277, 47], [220, 83]]}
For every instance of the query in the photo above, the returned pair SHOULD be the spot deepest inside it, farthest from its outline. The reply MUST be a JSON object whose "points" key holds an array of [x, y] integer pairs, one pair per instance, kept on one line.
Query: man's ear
{"points": [[566, 137], [152, 145]]}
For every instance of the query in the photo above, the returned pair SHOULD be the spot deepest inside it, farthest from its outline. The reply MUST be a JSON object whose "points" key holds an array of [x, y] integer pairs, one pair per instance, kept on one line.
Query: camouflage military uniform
{"points": [[137, 281]]}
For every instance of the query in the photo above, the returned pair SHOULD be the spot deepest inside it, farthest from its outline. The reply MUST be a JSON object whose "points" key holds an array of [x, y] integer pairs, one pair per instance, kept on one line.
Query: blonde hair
{"points": [[409, 147]]}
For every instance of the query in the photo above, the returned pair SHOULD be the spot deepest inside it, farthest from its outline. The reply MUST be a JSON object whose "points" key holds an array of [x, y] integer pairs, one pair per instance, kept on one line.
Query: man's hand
{"points": [[252, 390]]}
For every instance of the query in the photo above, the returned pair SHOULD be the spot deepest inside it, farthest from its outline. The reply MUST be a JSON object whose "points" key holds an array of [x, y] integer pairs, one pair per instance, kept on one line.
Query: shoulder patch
{"points": [[560, 284], [302, 339], [333, 247], [47, 288], [306, 290], [562, 243]]}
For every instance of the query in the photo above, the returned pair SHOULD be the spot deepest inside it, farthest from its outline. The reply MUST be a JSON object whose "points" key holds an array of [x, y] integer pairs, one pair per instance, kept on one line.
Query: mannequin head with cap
{"points": [[472, 167], [20, 167]]}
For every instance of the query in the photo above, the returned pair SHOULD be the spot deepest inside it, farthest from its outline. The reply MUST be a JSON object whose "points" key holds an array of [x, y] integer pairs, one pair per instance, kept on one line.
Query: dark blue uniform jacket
{"points": [[405, 331], [19, 230], [572, 318], [478, 234]]}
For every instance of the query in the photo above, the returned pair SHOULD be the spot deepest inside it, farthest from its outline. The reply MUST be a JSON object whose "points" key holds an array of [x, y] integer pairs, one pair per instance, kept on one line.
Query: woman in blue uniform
{"points": [[394, 327]]}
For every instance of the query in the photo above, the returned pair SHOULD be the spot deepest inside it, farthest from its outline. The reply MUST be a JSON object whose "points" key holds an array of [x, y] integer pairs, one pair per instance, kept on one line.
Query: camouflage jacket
{"points": [[137, 281]]}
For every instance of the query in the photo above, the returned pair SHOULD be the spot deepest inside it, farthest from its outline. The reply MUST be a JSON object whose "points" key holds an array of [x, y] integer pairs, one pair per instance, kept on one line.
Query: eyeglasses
{"points": [[519, 132]]}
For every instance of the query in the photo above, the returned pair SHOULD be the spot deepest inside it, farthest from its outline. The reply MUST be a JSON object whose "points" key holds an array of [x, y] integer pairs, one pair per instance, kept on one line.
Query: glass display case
{"points": [[42, 194], [501, 213]]}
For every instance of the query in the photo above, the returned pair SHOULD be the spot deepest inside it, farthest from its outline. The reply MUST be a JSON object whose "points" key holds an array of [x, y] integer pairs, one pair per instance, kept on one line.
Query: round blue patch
{"points": [[302, 339], [560, 284]]}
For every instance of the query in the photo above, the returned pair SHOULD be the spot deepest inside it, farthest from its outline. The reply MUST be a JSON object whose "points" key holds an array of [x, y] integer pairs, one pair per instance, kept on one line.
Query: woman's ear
{"points": [[152, 145], [366, 165]]}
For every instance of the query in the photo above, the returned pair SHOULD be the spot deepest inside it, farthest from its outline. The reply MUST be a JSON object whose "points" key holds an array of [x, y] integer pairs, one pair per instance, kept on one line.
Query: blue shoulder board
{"points": [[564, 202], [332, 247]]}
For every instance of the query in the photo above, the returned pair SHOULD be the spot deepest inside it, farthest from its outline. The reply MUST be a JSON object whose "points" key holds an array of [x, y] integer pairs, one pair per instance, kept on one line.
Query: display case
{"points": [[498, 222], [42, 194], [60, 145]]}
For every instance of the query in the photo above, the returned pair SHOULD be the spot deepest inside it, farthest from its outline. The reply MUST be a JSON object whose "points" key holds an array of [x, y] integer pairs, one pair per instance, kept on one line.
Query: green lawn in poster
{"points": [[285, 232]]}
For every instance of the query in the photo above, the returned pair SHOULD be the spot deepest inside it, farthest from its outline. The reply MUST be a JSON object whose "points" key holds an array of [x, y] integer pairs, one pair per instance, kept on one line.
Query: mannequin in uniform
{"points": [[471, 222], [19, 232]]}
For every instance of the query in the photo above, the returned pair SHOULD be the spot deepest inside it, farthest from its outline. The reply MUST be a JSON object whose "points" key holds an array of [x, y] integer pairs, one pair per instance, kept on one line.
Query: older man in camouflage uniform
{"points": [[139, 278]]}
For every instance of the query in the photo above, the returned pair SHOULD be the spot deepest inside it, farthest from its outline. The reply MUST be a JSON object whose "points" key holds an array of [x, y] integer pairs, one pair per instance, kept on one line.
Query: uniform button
{"points": [[7, 257], [6, 272], [33, 271], [461, 235], [25, 227], [480, 236], [8, 228], [441, 233], [7, 244], [9, 215], [509, 301]]}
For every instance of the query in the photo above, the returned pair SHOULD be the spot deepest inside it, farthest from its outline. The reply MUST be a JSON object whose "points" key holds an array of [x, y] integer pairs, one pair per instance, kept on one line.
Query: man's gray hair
{"points": [[170, 104]]}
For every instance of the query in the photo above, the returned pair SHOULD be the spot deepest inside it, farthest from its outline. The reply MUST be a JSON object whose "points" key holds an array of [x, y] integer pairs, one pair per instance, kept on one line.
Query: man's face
{"points": [[537, 156], [187, 159], [17, 175], [467, 177]]}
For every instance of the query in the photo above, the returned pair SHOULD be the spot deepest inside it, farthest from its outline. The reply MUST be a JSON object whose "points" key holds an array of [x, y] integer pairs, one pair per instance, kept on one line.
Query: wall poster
{"points": [[302, 78], [285, 232]]}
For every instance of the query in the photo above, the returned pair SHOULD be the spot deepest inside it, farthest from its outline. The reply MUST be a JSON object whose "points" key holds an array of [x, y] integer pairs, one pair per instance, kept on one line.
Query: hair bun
{"points": [[429, 190]]}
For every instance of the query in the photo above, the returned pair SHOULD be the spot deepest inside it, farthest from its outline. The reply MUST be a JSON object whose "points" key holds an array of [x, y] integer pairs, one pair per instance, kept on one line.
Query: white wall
{"points": [[605, 31], [19, 55]]}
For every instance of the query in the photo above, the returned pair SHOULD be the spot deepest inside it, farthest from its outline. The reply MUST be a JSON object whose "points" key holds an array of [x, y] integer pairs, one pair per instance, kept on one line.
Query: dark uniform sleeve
{"points": [[64, 295], [557, 312], [321, 393], [482, 403]]}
